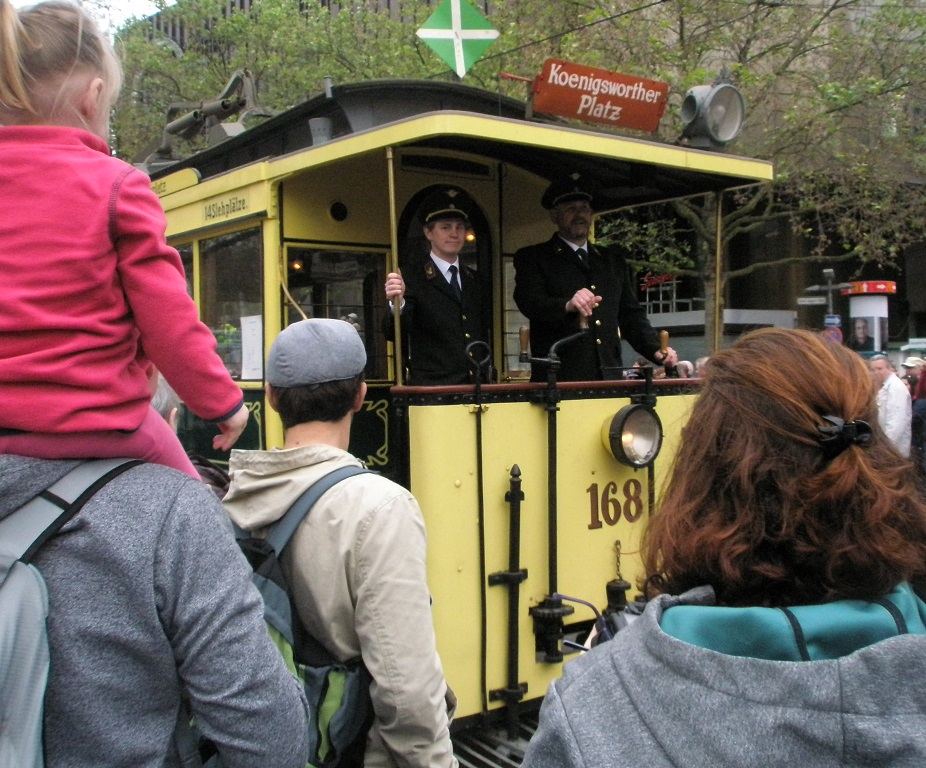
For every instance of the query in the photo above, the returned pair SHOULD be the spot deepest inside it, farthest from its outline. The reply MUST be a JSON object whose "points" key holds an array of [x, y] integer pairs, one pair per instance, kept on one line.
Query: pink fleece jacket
{"points": [[90, 292]]}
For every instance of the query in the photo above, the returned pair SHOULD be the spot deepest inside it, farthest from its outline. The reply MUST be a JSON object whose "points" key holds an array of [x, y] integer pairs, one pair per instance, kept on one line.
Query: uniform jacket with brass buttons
{"points": [[547, 276], [437, 326]]}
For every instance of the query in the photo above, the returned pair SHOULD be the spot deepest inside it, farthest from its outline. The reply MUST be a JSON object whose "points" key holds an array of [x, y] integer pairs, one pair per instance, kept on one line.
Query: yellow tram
{"points": [[304, 215]]}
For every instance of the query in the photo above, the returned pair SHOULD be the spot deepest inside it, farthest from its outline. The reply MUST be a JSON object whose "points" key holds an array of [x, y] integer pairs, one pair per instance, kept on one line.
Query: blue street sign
{"points": [[832, 321]]}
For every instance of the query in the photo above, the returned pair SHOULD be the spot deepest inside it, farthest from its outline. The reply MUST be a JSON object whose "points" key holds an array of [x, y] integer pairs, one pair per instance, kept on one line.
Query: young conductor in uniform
{"points": [[442, 305]]}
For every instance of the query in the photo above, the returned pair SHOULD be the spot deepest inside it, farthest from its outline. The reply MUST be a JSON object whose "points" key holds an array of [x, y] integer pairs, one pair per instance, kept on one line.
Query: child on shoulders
{"points": [[93, 297]]}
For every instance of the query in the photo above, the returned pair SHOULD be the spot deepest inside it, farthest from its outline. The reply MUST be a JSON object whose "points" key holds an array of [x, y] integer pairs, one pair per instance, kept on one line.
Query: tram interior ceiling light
{"points": [[712, 115], [633, 435]]}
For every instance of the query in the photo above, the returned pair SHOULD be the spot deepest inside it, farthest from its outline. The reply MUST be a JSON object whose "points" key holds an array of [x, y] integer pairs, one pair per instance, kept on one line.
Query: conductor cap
{"points": [[566, 190], [445, 204]]}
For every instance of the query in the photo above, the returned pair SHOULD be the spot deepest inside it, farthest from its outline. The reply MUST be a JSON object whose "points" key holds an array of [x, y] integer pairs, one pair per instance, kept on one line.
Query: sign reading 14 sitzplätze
{"points": [[599, 96]]}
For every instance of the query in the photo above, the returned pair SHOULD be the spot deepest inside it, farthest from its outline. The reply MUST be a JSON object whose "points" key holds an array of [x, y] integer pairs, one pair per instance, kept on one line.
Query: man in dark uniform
{"points": [[568, 278], [441, 302]]}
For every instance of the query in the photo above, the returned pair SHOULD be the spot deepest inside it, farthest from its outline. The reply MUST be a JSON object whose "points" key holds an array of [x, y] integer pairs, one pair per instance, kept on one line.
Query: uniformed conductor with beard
{"points": [[567, 278]]}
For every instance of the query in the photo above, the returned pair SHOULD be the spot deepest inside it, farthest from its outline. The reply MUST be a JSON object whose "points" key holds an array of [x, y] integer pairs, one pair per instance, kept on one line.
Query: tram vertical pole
{"points": [[718, 271], [394, 266]]}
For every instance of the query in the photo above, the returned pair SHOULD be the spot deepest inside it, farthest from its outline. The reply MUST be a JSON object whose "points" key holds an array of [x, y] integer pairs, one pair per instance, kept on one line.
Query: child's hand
{"points": [[231, 430]]}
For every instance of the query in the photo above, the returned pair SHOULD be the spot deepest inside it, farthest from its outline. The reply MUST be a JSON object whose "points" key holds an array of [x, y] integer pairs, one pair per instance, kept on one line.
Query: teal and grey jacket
{"points": [[694, 684]]}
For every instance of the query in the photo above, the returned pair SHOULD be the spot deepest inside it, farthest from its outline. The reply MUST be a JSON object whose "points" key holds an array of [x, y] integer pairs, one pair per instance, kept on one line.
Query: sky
{"points": [[112, 11]]}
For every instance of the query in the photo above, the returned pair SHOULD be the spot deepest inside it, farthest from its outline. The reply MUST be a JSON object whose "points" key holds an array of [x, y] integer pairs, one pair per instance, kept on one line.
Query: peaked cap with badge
{"points": [[442, 205], [565, 190]]}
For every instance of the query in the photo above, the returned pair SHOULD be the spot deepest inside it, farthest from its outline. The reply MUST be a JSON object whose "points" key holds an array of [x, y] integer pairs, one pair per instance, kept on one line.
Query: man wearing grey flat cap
{"points": [[356, 564], [568, 278]]}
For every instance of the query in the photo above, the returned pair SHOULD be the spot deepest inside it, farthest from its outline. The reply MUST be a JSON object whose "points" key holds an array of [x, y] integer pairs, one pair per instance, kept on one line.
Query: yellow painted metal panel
{"points": [[186, 177], [542, 136], [359, 185], [217, 206], [444, 482], [599, 502]]}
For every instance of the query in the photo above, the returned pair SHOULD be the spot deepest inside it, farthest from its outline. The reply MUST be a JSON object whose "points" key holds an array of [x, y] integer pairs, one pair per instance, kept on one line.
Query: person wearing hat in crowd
{"points": [[914, 368], [566, 279], [441, 301], [356, 564]]}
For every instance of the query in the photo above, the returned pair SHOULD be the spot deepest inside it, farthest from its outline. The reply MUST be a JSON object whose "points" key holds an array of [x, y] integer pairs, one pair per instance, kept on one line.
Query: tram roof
{"points": [[626, 170]]}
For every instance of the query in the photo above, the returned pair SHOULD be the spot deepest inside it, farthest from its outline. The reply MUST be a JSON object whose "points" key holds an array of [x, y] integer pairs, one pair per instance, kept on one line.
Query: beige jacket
{"points": [[356, 567]]}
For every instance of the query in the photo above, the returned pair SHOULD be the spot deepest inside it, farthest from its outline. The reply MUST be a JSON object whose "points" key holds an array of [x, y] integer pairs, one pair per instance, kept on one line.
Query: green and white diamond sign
{"points": [[458, 33]]}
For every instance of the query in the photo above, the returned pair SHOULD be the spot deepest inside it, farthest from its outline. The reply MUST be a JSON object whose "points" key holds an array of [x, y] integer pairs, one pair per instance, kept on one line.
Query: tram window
{"points": [[346, 285], [231, 290], [186, 258], [513, 367]]}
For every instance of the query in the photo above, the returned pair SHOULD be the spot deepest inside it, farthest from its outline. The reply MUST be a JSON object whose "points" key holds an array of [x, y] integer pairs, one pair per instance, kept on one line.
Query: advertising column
{"points": [[868, 312]]}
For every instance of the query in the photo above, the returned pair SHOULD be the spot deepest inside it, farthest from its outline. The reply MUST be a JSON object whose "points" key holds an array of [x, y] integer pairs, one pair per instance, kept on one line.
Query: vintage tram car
{"points": [[529, 491]]}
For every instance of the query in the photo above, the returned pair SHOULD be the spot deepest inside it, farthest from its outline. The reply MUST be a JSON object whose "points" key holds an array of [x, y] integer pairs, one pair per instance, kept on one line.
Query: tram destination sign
{"points": [[599, 96]]}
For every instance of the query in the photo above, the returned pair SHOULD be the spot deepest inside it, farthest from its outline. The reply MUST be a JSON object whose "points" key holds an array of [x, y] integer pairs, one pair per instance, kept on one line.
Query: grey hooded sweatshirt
{"points": [[649, 699], [149, 596]]}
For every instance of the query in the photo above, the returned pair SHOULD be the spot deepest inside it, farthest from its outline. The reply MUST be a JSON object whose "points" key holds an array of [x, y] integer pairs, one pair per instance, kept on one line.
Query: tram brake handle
{"points": [[524, 339], [671, 370]]}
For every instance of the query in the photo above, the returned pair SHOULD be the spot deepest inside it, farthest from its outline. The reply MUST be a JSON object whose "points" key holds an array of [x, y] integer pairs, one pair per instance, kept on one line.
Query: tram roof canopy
{"points": [[369, 117]]}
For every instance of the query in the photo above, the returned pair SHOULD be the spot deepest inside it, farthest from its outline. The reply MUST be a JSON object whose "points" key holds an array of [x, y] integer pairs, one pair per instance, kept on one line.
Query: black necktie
{"points": [[455, 281], [582, 254]]}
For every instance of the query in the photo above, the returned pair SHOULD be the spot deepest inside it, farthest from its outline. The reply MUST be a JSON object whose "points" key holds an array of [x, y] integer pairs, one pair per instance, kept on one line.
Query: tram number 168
{"points": [[607, 505]]}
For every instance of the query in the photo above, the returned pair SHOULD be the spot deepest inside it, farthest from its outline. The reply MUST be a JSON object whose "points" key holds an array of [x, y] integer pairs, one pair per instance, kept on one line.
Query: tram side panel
{"points": [[599, 502]]}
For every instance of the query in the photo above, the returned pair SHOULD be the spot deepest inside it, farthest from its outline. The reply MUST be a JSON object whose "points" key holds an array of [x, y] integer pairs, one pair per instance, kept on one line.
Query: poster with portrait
{"points": [[861, 334]]}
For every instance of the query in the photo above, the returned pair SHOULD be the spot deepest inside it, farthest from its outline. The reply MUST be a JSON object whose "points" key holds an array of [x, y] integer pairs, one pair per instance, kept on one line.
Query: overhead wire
{"points": [[875, 4]]}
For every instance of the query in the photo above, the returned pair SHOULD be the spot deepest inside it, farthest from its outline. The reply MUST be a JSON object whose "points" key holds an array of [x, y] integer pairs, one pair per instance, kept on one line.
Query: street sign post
{"points": [[829, 288]]}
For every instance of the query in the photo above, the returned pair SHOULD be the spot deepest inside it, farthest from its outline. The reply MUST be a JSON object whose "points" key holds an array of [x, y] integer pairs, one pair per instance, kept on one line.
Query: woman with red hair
{"points": [[787, 632]]}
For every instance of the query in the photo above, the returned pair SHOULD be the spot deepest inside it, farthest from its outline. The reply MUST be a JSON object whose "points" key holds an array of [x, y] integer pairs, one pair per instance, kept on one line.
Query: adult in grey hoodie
{"points": [[150, 599], [805, 644]]}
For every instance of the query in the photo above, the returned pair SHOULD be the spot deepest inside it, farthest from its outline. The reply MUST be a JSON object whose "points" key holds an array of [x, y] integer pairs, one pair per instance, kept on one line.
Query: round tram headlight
{"points": [[633, 435]]}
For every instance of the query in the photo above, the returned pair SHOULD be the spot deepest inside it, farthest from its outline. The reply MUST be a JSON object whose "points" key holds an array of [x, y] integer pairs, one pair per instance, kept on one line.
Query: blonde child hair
{"points": [[56, 67]]}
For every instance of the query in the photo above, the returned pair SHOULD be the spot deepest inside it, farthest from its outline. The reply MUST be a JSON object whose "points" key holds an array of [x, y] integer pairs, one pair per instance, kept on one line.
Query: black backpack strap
{"points": [[24, 531], [281, 532]]}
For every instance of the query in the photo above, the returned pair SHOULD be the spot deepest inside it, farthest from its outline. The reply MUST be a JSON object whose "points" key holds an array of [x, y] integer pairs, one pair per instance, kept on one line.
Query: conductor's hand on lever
{"points": [[584, 302]]}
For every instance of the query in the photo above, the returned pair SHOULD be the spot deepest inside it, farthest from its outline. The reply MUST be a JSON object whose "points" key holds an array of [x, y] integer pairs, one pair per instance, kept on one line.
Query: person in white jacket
{"points": [[356, 564], [895, 409]]}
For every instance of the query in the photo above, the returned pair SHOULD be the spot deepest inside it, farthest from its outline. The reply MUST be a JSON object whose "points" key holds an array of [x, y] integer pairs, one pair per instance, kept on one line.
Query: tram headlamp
{"points": [[633, 435], [713, 115]]}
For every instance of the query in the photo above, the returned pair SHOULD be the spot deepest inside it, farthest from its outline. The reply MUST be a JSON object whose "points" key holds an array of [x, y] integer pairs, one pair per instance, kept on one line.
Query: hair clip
{"points": [[840, 434]]}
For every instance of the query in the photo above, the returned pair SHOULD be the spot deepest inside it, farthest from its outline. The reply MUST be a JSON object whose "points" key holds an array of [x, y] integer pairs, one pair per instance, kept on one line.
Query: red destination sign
{"points": [[599, 96]]}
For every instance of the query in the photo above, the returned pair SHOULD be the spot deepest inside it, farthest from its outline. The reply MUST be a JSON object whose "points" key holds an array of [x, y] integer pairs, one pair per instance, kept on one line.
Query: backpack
{"points": [[24, 653], [338, 693]]}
